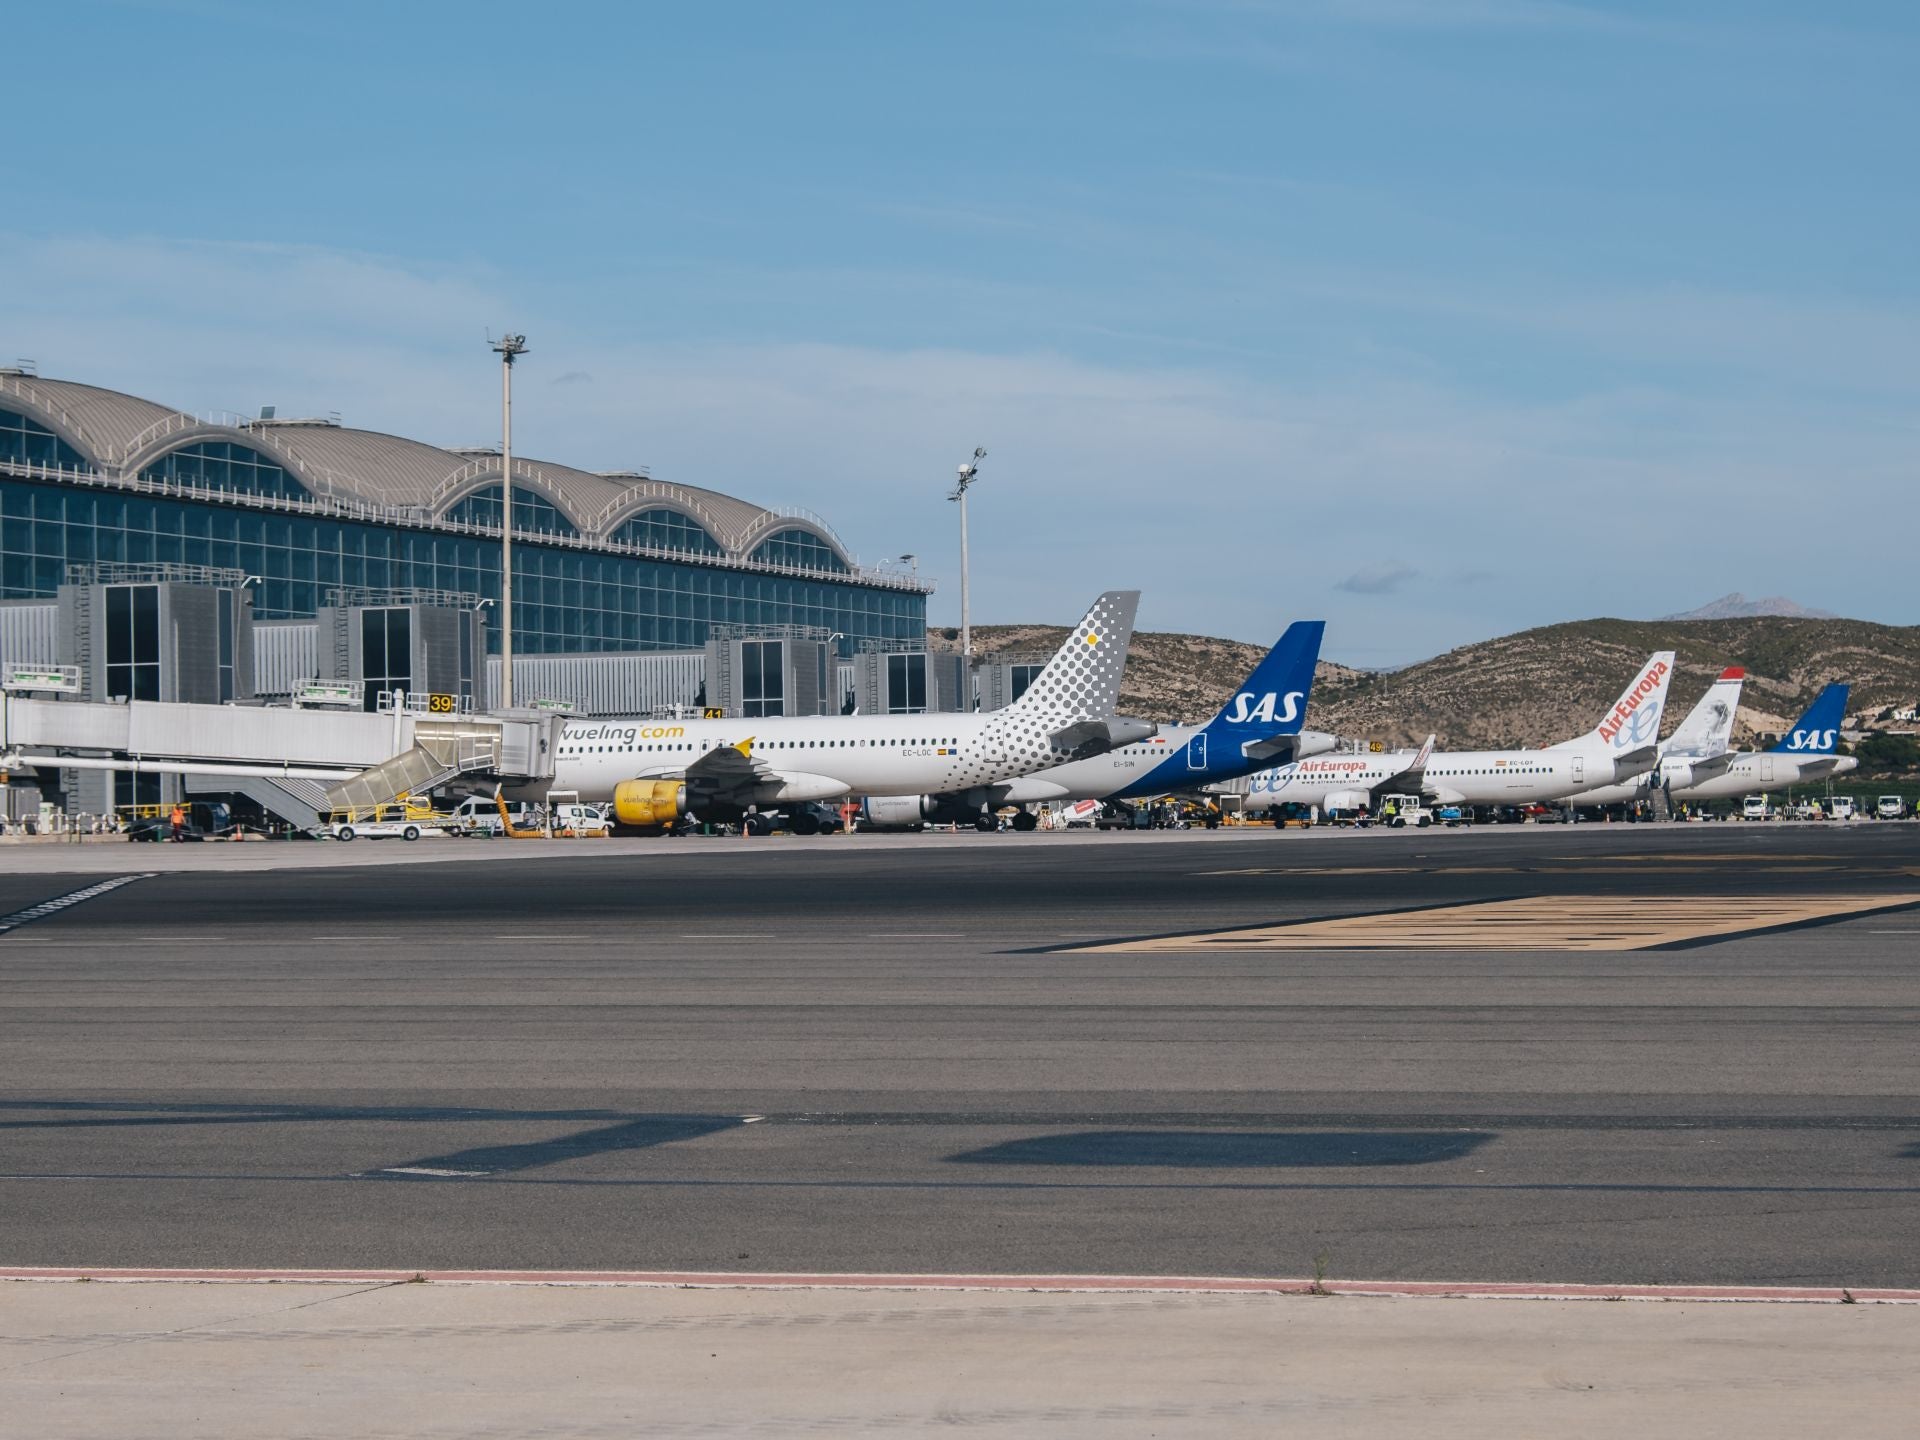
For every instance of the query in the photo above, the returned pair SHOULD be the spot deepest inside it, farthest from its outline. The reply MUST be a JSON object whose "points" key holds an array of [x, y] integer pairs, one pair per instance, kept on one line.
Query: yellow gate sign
{"points": [[442, 704]]}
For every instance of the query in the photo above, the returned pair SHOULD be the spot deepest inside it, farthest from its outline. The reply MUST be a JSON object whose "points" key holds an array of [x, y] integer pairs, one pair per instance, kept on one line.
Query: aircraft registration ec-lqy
{"points": [[1624, 744], [657, 773]]}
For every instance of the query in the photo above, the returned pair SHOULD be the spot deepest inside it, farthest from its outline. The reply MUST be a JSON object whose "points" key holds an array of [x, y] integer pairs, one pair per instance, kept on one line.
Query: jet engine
{"points": [[911, 812], [650, 804]]}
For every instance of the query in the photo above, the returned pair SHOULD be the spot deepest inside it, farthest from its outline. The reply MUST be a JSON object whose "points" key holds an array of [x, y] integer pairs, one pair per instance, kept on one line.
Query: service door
{"points": [[1579, 770], [1197, 752], [1766, 769]]}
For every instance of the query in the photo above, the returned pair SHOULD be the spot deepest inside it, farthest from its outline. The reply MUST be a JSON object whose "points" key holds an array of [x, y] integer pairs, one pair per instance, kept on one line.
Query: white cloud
{"points": [[1236, 501]]}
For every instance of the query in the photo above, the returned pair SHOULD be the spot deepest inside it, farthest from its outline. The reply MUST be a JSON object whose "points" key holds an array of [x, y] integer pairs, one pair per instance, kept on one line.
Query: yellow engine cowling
{"points": [[649, 804]]}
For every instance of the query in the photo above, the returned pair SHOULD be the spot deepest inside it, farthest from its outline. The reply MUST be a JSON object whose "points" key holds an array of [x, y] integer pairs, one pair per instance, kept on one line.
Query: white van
{"points": [[479, 816], [1840, 807], [1891, 807], [1756, 807]]}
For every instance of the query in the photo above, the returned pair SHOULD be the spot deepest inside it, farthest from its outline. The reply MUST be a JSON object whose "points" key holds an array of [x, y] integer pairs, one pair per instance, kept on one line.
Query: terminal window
{"points": [[763, 681], [1020, 677], [133, 641], [386, 651], [906, 684]]}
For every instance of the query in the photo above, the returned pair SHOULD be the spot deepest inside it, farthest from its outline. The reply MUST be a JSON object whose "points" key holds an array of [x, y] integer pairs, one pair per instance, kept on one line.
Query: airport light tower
{"points": [[508, 348], [969, 472]]}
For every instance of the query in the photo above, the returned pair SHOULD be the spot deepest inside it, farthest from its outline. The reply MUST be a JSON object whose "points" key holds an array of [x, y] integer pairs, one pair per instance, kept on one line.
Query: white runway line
{"points": [[62, 902]]}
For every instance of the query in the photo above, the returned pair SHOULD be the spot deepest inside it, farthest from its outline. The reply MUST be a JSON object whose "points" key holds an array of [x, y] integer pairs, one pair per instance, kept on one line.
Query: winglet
{"points": [[745, 747]]}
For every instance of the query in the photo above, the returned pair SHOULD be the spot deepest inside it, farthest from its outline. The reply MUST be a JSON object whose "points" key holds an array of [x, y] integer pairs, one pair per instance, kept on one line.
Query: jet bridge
{"points": [[363, 759]]}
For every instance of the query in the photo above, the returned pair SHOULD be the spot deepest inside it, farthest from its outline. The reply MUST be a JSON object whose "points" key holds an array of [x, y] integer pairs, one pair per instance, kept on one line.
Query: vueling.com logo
{"points": [[1621, 727], [1249, 708]]}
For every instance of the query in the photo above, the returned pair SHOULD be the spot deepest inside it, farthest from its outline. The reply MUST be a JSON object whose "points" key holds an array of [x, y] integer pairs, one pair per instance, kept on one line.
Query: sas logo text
{"points": [[1811, 740], [1249, 709]]}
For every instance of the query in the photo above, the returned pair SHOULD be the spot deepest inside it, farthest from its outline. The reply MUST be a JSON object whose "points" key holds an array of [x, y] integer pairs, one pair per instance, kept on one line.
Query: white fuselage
{"points": [[1468, 777], [1766, 770], [820, 757]]}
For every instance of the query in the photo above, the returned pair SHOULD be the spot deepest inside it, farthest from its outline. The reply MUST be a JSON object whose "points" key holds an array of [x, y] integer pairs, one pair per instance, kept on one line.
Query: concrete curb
{"points": [[1188, 1284]]}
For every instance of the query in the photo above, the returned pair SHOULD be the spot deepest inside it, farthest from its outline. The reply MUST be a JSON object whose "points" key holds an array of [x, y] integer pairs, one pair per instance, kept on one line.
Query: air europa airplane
{"points": [[1696, 751], [1258, 727], [1624, 744], [657, 774]]}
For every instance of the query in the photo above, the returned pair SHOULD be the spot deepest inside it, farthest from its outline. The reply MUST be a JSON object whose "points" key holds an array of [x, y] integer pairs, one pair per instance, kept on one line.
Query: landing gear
{"points": [[806, 823], [758, 824], [1025, 820], [987, 823]]}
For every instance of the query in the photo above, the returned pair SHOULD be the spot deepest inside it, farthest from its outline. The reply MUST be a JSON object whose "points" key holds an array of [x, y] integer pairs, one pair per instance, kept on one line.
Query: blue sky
{"points": [[1436, 318]]}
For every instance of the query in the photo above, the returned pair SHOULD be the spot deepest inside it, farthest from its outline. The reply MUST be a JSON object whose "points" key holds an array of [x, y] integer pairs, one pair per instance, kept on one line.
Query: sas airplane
{"points": [[1623, 745], [1807, 752], [1259, 727], [660, 773], [1698, 750]]}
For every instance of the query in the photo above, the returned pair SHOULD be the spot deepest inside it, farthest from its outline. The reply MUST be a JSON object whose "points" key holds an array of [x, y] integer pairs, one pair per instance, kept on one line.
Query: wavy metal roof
{"points": [[123, 435]]}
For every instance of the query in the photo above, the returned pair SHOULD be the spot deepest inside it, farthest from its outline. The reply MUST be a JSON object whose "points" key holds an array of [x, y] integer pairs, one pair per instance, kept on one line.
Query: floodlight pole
{"points": [[508, 347], [968, 473]]}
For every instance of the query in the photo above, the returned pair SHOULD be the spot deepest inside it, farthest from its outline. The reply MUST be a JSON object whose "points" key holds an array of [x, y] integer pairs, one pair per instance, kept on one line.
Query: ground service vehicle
{"points": [[1840, 807], [1756, 807], [386, 822], [1890, 807]]}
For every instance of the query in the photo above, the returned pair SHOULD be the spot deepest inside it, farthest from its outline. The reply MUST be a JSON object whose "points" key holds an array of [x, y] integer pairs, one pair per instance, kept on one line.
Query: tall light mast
{"points": [[968, 473], [509, 348]]}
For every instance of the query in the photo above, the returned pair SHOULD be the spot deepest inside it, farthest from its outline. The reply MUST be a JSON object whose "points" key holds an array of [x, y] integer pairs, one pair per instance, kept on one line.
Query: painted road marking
{"points": [[1541, 922], [814, 1280], [63, 902]]}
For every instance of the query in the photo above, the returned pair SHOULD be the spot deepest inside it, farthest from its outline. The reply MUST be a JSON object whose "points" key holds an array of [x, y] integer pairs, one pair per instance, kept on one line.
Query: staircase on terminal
{"points": [[436, 758]]}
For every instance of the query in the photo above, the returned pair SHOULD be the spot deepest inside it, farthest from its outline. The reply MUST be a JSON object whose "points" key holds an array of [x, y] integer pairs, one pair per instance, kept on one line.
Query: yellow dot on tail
{"points": [[1092, 639]]}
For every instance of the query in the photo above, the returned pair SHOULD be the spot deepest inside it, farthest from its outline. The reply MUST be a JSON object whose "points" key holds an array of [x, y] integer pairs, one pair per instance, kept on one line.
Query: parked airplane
{"points": [[1623, 745], [1698, 750], [1257, 728], [659, 772], [1809, 751]]}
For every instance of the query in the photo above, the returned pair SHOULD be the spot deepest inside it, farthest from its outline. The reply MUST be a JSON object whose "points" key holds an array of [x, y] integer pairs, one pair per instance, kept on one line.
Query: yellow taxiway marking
{"points": [[1541, 922]]}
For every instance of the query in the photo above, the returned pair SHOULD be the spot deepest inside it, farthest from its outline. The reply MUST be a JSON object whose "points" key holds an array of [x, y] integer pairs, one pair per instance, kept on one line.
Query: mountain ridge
{"points": [[1532, 688]]}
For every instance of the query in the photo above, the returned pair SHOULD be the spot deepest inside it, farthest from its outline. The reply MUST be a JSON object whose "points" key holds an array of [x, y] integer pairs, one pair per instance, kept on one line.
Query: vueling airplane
{"points": [[1698, 750], [657, 774], [1624, 744], [1809, 751], [1258, 727]]}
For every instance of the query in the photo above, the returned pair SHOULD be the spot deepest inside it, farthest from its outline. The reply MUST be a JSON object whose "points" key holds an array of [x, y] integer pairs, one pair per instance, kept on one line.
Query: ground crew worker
{"points": [[177, 819]]}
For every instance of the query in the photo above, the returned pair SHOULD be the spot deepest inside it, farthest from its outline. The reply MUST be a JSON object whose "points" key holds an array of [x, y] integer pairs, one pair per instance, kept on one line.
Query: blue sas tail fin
{"points": [[1273, 699], [1817, 731]]}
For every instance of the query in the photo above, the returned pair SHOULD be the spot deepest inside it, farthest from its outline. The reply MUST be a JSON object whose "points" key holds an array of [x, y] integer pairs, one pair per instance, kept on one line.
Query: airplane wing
{"points": [[728, 771], [1410, 781], [1284, 749]]}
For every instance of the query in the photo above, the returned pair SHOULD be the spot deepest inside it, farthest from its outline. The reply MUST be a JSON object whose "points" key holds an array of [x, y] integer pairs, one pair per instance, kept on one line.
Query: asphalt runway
{"points": [[882, 1054]]}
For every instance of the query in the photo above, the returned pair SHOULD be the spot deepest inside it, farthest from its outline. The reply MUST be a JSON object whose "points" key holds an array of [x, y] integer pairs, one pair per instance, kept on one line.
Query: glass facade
{"points": [[533, 514], [567, 599], [798, 547], [221, 465], [667, 530], [27, 442]]}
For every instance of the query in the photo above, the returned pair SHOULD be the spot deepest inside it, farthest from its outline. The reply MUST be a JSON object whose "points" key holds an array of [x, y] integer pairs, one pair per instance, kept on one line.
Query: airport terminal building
{"points": [[151, 555], [308, 509]]}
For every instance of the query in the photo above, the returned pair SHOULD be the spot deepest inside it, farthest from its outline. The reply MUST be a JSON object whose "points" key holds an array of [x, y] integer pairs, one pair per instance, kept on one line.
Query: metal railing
{"points": [[416, 518]]}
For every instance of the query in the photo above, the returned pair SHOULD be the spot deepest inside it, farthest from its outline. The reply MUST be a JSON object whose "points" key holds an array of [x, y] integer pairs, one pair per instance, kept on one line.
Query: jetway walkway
{"points": [[363, 759]]}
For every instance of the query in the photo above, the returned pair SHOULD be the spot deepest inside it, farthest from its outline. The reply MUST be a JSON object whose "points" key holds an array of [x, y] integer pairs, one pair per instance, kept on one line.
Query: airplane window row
{"points": [[770, 745]]}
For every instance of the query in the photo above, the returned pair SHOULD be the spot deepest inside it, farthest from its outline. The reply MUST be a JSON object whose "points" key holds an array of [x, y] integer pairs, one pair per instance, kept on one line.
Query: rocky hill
{"points": [[1533, 688]]}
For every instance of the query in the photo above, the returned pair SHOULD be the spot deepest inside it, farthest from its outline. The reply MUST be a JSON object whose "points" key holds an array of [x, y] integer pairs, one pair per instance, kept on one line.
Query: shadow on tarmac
{"points": [[1231, 1149]]}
